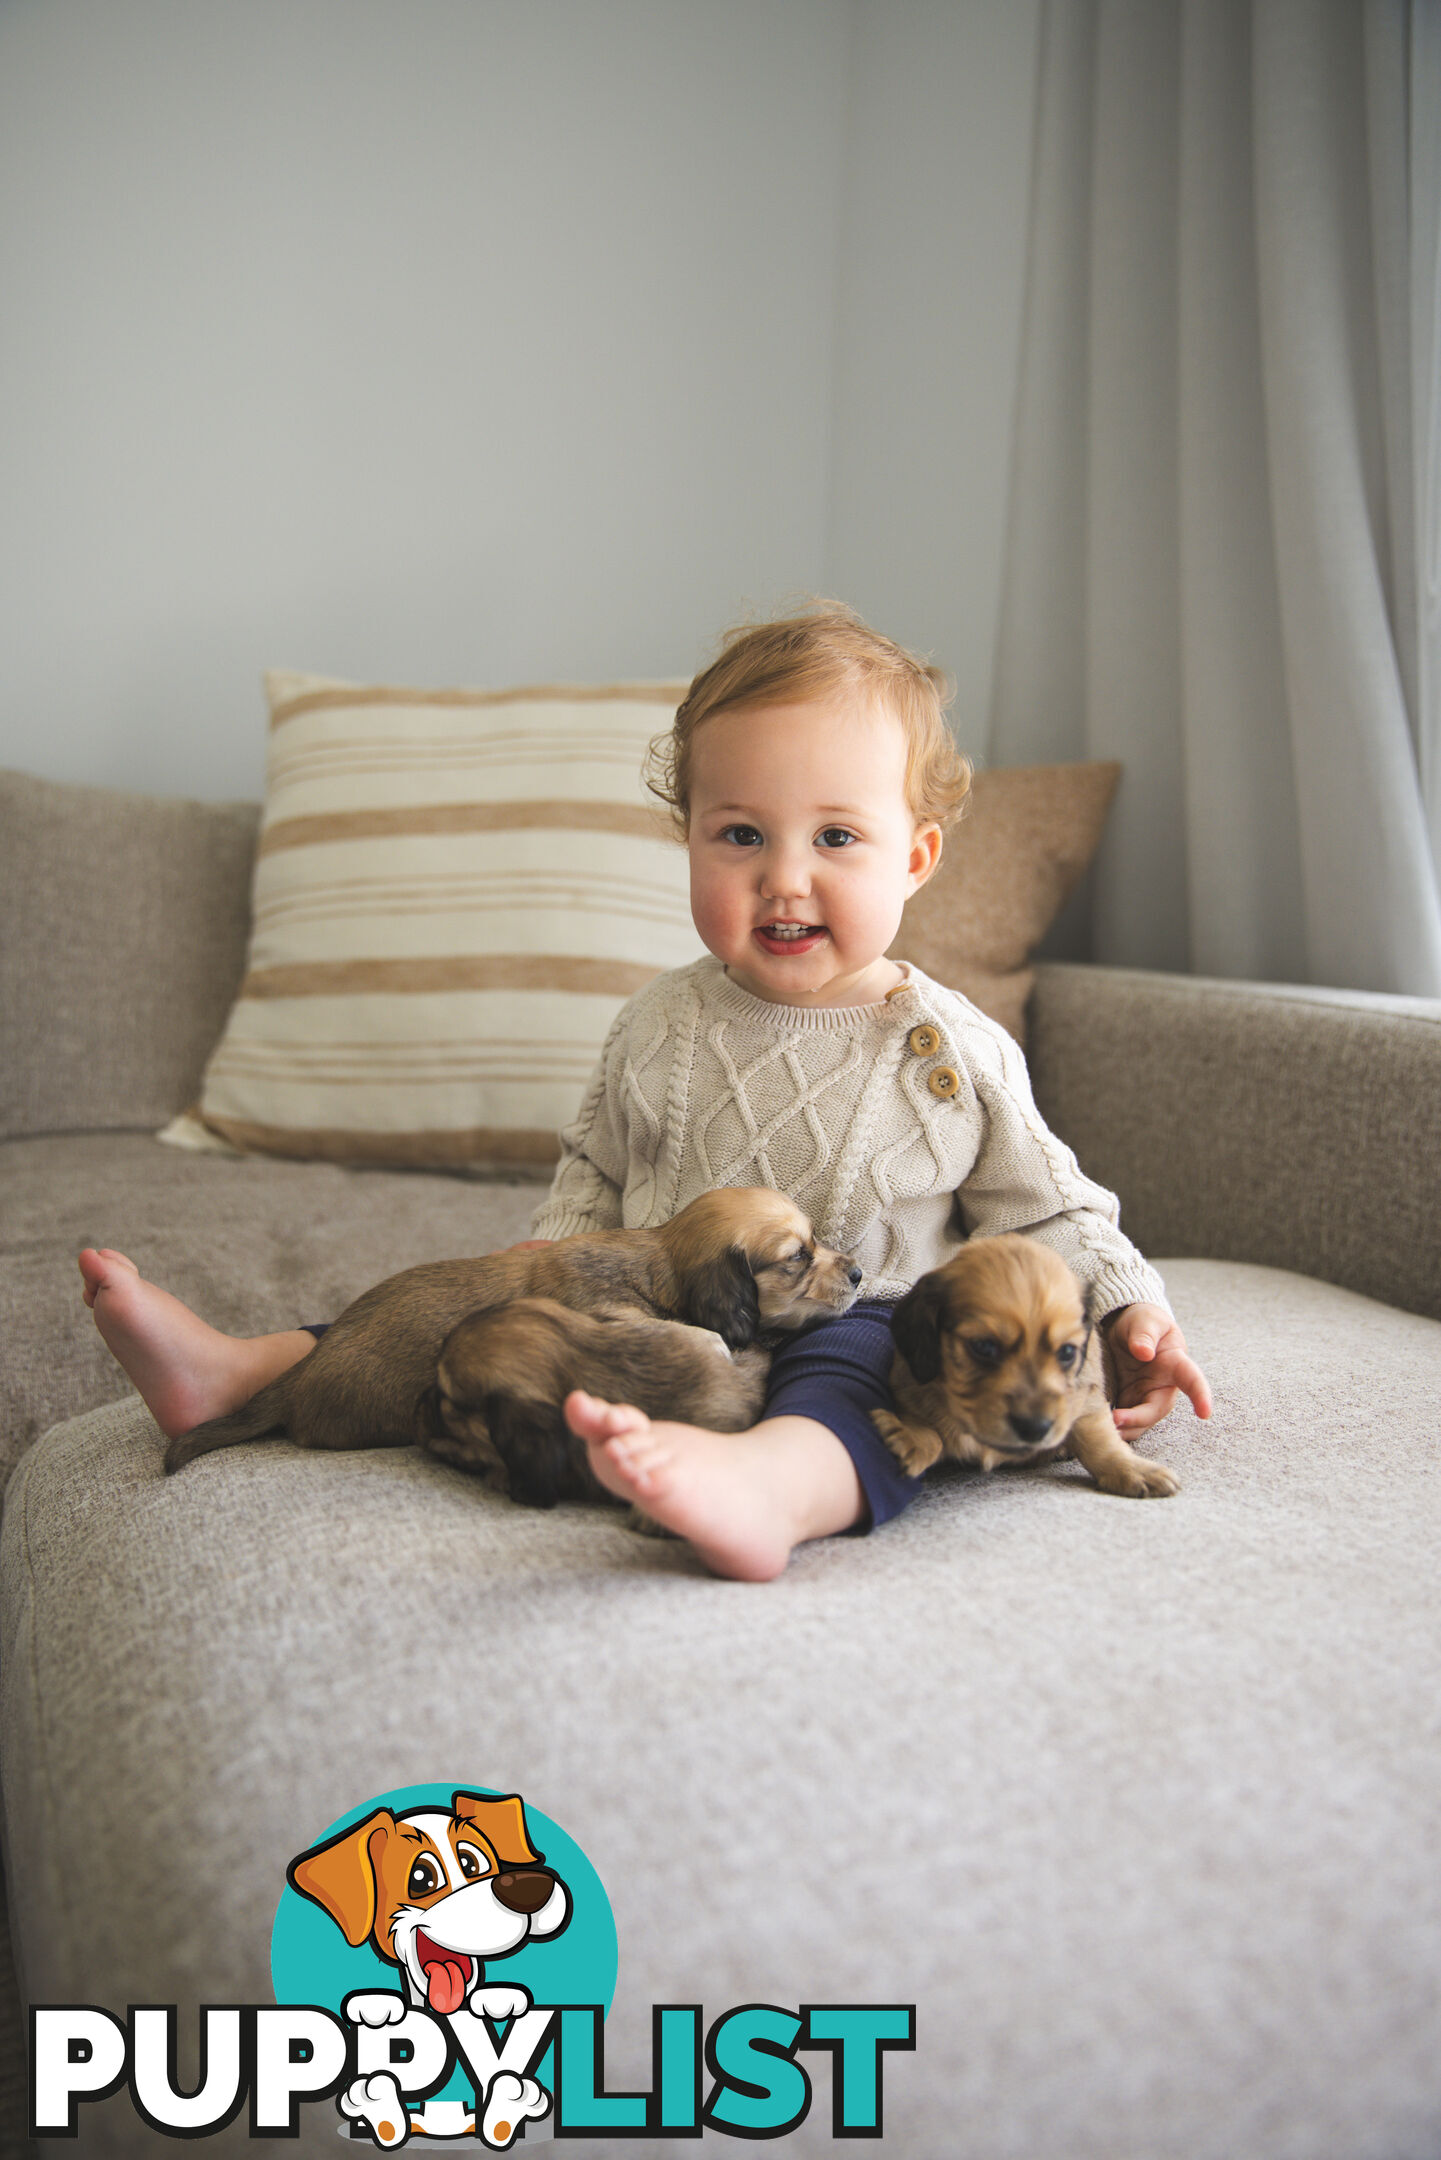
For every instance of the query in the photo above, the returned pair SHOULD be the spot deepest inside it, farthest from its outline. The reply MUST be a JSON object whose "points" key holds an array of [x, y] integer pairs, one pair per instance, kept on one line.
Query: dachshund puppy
{"points": [[503, 1376], [998, 1362], [744, 1263]]}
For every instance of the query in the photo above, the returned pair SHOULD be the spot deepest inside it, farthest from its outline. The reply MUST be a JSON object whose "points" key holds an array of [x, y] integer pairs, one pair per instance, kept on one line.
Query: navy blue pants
{"points": [[837, 1374]]}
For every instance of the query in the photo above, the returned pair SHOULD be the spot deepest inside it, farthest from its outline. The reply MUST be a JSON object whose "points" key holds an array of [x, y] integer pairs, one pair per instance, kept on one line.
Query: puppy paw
{"points": [[375, 2010], [500, 2003], [511, 2101], [1138, 1479], [376, 2102], [915, 1447]]}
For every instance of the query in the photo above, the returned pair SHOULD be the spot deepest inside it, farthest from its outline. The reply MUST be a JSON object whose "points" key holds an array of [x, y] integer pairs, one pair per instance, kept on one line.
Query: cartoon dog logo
{"points": [[438, 1895]]}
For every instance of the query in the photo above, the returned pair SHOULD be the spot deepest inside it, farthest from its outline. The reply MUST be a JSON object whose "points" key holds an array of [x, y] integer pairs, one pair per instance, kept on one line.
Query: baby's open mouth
{"points": [[788, 936]]}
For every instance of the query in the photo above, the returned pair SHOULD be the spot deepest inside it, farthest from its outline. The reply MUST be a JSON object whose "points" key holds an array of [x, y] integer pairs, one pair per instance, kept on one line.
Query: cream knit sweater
{"points": [[700, 1084]]}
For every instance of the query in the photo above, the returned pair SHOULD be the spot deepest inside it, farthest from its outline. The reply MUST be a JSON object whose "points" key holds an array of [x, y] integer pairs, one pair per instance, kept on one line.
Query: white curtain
{"points": [[1224, 543]]}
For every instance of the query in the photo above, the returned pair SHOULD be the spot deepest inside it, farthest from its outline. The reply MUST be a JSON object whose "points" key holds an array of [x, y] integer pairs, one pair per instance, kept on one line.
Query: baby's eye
{"points": [[741, 835], [836, 836]]}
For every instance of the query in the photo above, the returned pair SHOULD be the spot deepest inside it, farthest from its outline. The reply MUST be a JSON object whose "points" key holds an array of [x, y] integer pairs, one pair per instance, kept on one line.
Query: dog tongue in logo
{"points": [[446, 1983], [445, 1977]]}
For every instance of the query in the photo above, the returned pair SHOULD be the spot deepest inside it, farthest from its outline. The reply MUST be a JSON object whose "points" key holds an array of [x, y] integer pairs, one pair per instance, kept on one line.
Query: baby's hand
{"points": [[1152, 1368]]}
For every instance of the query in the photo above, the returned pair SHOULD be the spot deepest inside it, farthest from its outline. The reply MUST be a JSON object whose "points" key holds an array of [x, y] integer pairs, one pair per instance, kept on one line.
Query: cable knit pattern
{"points": [[700, 1084]]}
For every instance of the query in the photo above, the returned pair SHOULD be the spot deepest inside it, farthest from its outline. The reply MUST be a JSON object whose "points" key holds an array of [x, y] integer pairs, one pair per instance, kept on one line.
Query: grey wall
{"points": [[935, 188], [487, 340]]}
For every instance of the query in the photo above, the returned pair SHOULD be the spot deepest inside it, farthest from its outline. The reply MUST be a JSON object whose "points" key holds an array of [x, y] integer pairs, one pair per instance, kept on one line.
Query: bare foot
{"points": [[742, 1500], [184, 1370]]}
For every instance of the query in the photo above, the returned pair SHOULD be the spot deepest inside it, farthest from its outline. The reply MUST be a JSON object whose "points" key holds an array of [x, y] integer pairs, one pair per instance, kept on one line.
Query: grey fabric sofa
{"points": [[1137, 1805]]}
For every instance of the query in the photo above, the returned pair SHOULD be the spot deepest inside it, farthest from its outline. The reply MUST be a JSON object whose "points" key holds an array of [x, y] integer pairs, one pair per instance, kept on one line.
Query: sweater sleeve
{"points": [[1025, 1179], [589, 1183]]}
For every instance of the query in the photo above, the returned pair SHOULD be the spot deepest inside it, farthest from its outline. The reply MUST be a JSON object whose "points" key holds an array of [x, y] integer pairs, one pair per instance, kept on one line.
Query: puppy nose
{"points": [[855, 1275], [1029, 1429], [523, 1890]]}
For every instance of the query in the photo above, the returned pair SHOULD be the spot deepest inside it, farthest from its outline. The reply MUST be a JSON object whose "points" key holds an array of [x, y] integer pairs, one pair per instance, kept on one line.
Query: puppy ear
{"points": [[340, 1876], [916, 1327], [721, 1294], [429, 1424], [501, 1822], [1091, 1308], [541, 1457]]}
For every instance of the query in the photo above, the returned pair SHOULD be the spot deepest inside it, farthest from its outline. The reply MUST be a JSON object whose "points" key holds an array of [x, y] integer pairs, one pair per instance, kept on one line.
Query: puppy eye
{"points": [[472, 1866], [985, 1350], [1067, 1355], [424, 1877]]}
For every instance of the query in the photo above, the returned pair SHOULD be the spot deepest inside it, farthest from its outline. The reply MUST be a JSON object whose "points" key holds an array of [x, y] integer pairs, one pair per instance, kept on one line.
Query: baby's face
{"points": [[803, 849]]}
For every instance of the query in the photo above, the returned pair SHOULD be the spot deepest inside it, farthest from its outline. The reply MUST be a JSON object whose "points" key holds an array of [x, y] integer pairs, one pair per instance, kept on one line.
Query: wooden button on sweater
{"points": [[925, 1041], [944, 1081]]}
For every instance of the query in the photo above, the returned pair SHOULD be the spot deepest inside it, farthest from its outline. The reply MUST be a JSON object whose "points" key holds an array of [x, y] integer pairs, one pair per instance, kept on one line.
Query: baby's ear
{"points": [[916, 1327], [721, 1294], [926, 845]]}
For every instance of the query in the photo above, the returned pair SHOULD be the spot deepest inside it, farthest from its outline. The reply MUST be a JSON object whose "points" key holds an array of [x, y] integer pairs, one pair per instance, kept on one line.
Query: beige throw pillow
{"points": [[455, 893], [1027, 835]]}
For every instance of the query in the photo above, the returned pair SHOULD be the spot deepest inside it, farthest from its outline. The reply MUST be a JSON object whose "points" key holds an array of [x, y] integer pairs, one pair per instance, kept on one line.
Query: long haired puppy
{"points": [[500, 1386], [998, 1363], [743, 1263]]}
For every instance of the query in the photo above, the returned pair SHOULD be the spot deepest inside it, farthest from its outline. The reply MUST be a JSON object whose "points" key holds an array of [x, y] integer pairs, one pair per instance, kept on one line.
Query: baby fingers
{"points": [[1140, 1416]]}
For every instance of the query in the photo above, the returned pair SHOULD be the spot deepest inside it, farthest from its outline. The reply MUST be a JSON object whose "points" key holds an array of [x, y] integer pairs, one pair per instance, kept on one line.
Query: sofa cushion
{"points": [[252, 1245], [1135, 1802], [455, 893], [123, 940]]}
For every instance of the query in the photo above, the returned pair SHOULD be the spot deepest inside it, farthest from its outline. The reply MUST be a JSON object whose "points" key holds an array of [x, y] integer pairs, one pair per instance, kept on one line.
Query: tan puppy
{"points": [[503, 1376], [743, 1262], [998, 1363]]}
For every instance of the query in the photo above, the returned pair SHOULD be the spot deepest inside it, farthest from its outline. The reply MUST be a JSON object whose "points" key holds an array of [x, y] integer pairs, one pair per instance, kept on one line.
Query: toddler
{"points": [[810, 772]]}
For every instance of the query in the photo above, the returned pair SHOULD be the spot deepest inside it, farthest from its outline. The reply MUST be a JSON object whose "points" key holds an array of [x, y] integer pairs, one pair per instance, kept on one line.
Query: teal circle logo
{"points": [[324, 1945]]}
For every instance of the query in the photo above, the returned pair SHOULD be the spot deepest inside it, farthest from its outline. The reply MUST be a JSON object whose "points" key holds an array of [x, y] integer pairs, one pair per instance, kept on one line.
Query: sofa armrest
{"points": [[1292, 1127]]}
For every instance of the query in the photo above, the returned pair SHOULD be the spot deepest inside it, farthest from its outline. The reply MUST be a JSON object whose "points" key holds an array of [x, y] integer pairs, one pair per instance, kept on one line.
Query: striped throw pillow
{"points": [[455, 892]]}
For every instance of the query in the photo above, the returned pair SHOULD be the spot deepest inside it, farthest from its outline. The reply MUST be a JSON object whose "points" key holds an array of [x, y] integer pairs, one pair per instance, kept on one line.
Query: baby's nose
{"points": [[785, 874]]}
